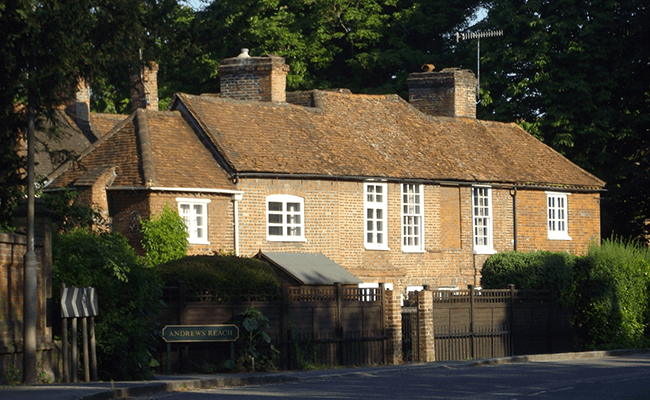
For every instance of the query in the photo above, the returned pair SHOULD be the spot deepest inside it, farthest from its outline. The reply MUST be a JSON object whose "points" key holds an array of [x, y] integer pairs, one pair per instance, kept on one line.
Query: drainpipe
{"points": [[236, 198], [513, 193]]}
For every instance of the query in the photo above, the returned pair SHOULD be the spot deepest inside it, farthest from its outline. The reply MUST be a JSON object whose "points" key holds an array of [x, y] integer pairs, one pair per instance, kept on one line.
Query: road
{"points": [[625, 377]]}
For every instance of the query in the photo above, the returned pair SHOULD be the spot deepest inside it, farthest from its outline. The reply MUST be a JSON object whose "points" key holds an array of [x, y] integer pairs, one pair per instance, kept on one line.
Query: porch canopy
{"points": [[308, 268]]}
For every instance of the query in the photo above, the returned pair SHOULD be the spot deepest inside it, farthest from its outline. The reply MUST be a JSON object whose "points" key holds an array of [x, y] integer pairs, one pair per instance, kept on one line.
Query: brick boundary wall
{"points": [[12, 250]]}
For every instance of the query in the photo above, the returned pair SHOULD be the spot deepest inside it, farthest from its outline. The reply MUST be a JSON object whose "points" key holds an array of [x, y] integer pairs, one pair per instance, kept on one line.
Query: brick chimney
{"points": [[447, 93], [80, 109], [254, 78], [144, 88]]}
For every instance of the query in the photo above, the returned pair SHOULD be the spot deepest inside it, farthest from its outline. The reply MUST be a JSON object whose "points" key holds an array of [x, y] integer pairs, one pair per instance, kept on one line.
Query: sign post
{"points": [[79, 303], [197, 333]]}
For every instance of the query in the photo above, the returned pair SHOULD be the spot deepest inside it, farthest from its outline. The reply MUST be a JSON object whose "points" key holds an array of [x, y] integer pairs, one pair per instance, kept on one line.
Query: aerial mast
{"points": [[477, 35]]}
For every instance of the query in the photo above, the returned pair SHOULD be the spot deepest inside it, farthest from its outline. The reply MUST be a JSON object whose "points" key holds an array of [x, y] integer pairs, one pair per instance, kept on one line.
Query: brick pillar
{"points": [[425, 321], [394, 326]]}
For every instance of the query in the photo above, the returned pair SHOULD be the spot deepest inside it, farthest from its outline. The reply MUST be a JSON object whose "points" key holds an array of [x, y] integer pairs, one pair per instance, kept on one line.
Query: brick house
{"points": [[405, 193]]}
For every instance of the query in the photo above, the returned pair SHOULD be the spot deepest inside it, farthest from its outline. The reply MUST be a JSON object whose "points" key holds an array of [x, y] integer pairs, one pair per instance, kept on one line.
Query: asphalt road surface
{"points": [[625, 377]]}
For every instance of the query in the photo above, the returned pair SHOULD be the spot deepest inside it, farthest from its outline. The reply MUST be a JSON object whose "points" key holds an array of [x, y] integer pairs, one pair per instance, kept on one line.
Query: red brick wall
{"points": [[334, 226], [583, 222], [128, 207], [220, 218], [334, 222], [12, 252]]}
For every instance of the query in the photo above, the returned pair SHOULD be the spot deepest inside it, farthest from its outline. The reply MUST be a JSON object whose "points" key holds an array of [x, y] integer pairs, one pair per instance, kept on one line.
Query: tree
{"points": [[129, 296], [364, 45], [575, 75], [46, 47]]}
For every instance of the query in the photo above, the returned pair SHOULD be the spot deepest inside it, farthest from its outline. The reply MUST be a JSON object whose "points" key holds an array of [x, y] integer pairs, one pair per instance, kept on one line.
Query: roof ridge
{"points": [[183, 101], [66, 165]]}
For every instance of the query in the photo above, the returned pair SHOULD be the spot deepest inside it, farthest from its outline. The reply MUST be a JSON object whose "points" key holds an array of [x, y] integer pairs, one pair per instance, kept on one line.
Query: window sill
{"points": [[377, 248], [191, 242], [559, 237], [485, 251], [285, 239], [417, 251]]}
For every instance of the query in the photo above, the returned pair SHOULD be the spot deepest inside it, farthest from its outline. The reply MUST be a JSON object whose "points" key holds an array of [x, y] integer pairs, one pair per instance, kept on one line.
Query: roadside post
{"points": [[79, 303]]}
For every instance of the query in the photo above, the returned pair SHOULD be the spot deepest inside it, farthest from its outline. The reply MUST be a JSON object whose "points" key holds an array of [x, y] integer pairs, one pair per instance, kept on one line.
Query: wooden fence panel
{"points": [[329, 325], [496, 323]]}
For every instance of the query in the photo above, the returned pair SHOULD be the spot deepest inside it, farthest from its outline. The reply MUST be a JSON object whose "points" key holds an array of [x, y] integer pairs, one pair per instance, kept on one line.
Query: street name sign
{"points": [[200, 333], [79, 302]]}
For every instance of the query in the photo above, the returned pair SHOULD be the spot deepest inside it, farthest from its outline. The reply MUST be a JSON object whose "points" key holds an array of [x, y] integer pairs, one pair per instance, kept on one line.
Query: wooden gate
{"points": [[474, 324], [410, 331]]}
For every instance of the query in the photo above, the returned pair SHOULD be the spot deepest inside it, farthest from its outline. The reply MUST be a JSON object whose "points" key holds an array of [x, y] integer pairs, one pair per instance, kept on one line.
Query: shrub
{"points": [[71, 212], [611, 292], [256, 350], [129, 295], [164, 238], [531, 271], [218, 274]]}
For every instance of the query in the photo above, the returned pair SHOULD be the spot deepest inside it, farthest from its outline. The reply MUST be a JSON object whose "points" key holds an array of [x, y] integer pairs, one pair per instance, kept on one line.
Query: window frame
{"points": [[418, 213], [375, 206], [192, 226], [557, 215], [285, 225], [487, 248]]}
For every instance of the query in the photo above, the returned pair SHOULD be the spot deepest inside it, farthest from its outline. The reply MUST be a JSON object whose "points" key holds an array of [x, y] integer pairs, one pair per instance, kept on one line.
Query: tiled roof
{"points": [[102, 123], [69, 138], [56, 144], [376, 136], [148, 149]]}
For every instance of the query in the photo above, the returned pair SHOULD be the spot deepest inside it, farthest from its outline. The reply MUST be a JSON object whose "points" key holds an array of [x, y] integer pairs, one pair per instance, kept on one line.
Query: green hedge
{"points": [[532, 271], [218, 273], [611, 296], [608, 289]]}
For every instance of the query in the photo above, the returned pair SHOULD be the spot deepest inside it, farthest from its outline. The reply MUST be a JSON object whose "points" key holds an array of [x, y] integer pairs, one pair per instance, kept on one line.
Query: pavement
{"points": [[170, 383]]}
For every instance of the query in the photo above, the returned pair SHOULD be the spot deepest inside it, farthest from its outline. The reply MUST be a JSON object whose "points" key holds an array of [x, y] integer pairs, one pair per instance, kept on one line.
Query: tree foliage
{"points": [[612, 296], [222, 276], [70, 212], [46, 47], [164, 237], [577, 76], [367, 45], [129, 295]]}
